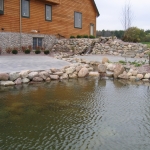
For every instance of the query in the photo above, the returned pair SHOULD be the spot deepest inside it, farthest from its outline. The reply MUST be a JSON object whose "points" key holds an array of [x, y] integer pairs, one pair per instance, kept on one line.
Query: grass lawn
{"points": [[148, 43]]}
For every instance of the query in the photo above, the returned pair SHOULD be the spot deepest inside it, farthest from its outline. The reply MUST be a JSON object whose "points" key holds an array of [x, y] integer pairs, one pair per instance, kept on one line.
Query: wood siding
{"points": [[62, 17]]}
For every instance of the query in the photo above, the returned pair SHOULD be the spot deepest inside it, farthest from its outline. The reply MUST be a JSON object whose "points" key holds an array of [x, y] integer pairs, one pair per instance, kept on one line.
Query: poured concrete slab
{"points": [[17, 63]]}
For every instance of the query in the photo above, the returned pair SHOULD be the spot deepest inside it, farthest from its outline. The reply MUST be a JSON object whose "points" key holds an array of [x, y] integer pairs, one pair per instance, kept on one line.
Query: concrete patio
{"points": [[16, 63]]}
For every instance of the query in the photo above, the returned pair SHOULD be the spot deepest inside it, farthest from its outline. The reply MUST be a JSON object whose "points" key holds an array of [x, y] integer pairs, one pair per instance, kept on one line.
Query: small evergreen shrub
{"points": [[79, 36], [27, 51], [37, 51], [92, 37], [85, 36], [72, 37], [46, 52], [14, 51]]}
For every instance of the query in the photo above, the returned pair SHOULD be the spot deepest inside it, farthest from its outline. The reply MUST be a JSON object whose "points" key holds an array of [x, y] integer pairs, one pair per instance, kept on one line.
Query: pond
{"points": [[83, 114]]}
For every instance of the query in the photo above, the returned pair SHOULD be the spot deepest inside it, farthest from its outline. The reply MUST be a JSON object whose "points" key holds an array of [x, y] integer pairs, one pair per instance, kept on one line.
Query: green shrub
{"points": [[27, 51], [85, 36], [79, 36], [37, 51], [14, 51], [133, 34], [72, 37], [46, 52], [92, 37]]}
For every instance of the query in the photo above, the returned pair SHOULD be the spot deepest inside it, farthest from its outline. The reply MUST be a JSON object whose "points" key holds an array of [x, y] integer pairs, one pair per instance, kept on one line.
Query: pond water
{"points": [[83, 114]]}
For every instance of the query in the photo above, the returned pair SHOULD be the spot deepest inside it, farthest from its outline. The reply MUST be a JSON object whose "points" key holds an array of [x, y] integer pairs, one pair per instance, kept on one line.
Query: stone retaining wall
{"points": [[103, 45], [9, 39]]}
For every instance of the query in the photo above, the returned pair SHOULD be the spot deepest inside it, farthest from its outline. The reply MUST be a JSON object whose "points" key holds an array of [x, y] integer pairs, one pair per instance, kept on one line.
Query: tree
{"points": [[134, 34], [126, 16]]}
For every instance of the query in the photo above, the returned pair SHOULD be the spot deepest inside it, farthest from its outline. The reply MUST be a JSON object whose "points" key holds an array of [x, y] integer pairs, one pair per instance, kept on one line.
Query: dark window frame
{"points": [[22, 9], [37, 42], [2, 11], [45, 12], [74, 20]]}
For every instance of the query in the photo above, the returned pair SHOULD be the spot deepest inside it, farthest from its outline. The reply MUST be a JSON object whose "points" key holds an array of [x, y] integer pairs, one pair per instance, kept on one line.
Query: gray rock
{"points": [[18, 81], [6, 83], [4, 76], [64, 76], [44, 75], [37, 79], [13, 76], [70, 70], [119, 69], [102, 68], [32, 75], [83, 72]]}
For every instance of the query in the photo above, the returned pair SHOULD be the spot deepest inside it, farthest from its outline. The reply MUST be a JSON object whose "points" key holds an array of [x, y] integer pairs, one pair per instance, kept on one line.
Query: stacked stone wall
{"points": [[11, 40]]}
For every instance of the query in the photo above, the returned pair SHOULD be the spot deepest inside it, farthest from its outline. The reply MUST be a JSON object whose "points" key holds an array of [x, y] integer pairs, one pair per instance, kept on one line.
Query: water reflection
{"points": [[80, 114]]}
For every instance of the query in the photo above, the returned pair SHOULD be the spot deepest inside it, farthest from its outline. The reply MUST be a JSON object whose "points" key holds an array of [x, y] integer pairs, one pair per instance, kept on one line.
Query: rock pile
{"points": [[102, 45]]}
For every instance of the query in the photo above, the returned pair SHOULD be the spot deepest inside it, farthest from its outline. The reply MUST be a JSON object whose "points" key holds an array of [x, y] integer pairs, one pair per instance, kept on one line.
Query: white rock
{"points": [[24, 73], [70, 70], [6, 83], [147, 76], [13, 76], [94, 74], [25, 80], [54, 77], [139, 76]]}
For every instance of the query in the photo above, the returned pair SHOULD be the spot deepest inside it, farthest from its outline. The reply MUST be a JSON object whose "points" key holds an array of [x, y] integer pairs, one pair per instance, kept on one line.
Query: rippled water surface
{"points": [[83, 114]]}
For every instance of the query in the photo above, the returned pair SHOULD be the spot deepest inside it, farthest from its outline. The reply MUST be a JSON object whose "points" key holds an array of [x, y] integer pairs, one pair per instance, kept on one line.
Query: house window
{"points": [[37, 42], [26, 8], [1, 6], [77, 20], [48, 12]]}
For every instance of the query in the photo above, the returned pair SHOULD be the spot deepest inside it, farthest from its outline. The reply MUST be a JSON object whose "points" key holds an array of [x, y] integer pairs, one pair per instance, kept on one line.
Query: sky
{"points": [[111, 10]]}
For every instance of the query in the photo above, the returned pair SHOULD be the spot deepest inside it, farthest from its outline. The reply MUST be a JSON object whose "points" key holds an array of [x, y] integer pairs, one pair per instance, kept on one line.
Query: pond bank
{"points": [[79, 69]]}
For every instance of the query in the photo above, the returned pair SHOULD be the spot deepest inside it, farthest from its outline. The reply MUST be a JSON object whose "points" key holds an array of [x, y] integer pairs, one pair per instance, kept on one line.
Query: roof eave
{"points": [[98, 14]]}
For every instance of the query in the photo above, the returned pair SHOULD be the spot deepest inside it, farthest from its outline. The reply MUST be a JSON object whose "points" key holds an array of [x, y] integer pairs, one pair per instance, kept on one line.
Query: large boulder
{"points": [[6, 83], [4, 76], [83, 72], [147, 76], [78, 68], [44, 75], [13, 76], [54, 77], [18, 81], [24, 73], [102, 68], [37, 79], [119, 69], [105, 60], [70, 70], [73, 75], [25, 80], [139, 76], [32, 75], [64, 76]]}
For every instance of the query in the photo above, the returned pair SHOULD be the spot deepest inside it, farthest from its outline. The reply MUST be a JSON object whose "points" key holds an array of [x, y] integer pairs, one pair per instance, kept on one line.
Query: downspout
{"points": [[20, 25]]}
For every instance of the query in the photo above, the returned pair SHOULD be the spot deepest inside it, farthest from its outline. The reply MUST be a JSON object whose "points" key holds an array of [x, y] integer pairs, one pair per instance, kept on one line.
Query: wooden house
{"points": [[53, 17]]}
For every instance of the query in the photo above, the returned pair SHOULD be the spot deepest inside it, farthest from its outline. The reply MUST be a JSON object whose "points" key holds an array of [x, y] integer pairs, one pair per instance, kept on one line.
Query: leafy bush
{"points": [[27, 51], [92, 37], [37, 51], [133, 34], [14, 51], [79, 36], [46, 52], [85, 36], [147, 38], [72, 37], [8, 50]]}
